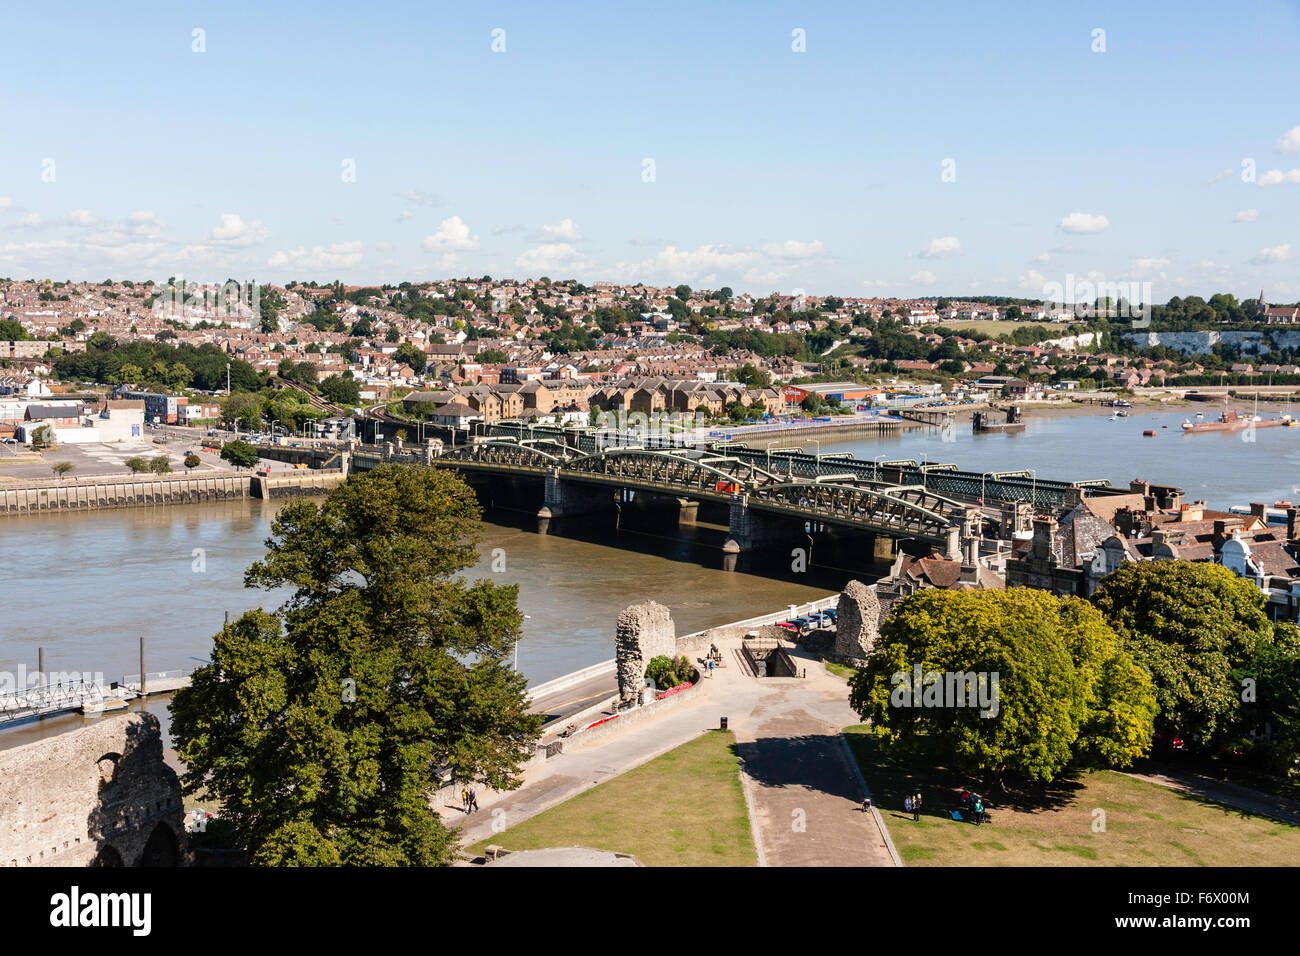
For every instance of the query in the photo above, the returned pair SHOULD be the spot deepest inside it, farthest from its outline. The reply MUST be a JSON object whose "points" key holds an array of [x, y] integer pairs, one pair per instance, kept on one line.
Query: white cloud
{"points": [[1275, 254], [452, 236], [1289, 142], [875, 283], [925, 277], [5, 203], [1035, 281], [794, 249], [404, 215], [1220, 175], [1041, 257], [423, 198], [565, 230], [941, 248], [1246, 215], [338, 255], [1083, 222], [1150, 263], [81, 217], [233, 231], [685, 265], [32, 220], [1275, 177], [551, 257]]}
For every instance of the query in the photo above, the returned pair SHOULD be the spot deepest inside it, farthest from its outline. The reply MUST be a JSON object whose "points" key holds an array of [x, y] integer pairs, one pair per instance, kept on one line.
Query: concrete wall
{"points": [[101, 793], [92, 493], [129, 492]]}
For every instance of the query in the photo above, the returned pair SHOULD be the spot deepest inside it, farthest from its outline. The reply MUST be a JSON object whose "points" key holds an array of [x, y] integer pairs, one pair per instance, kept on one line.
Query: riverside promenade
{"points": [[803, 790]]}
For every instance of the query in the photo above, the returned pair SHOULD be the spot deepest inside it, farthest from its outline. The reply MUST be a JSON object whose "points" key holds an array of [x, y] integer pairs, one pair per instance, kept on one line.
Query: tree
{"points": [[341, 390], [42, 438], [1066, 693], [61, 468], [243, 408], [683, 292], [137, 464], [323, 726], [160, 465], [412, 356], [239, 453], [1197, 628], [192, 461]]}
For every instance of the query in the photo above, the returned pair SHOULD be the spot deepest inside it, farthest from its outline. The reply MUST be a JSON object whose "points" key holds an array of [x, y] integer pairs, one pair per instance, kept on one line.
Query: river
{"points": [[87, 586]]}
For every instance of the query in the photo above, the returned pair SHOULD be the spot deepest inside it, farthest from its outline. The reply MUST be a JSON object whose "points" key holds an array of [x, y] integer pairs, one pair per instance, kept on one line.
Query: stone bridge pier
{"points": [[565, 499], [746, 530]]}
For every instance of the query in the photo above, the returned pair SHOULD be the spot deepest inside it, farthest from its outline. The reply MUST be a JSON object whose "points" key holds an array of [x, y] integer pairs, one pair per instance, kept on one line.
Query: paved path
{"points": [[789, 732], [1230, 794]]}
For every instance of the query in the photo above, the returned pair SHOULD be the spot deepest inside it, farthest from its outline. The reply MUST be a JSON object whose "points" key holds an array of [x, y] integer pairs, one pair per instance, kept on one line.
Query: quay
{"points": [[131, 491]]}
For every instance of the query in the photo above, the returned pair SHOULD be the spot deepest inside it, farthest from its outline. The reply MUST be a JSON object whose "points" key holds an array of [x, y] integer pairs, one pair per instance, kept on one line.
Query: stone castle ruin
{"points": [[97, 796], [645, 631], [857, 624]]}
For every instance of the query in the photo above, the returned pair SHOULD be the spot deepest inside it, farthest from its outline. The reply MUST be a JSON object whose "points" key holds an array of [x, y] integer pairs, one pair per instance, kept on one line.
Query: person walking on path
{"points": [[473, 801], [464, 799], [979, 812], [916, 808], [866, 804]]}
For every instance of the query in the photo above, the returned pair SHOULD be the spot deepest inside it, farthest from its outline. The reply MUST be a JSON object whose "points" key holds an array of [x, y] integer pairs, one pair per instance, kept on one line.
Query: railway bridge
{"points": [[578, 482]]}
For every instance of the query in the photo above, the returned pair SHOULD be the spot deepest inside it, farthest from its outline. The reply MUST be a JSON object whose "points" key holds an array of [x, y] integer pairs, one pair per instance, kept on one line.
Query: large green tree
{"points": [[324, 726], [1067, 694], [1200, 631]]}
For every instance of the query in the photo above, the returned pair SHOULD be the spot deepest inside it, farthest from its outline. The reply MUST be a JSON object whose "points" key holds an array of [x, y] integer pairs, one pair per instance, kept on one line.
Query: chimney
{"points": [[1044, 528], [1259, 510], [1293, 525], [952, 551], [972, 552], [1223, 525], [1193, 512], [1158, 537]]}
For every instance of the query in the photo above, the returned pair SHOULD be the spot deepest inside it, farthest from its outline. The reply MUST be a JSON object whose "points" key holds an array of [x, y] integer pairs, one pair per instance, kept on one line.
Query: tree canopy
{"points": [[324, 725], [1066, 693], [1200, 631]]}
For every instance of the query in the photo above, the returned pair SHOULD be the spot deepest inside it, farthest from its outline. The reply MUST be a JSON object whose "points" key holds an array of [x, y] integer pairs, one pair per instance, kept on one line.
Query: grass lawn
{"points": [[1145, 825], [1002, 327], [684, 808], [840, 670]]}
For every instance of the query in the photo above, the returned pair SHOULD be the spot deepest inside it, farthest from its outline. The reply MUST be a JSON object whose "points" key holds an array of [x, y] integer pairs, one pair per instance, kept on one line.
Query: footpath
{"points": [[805, 795]]}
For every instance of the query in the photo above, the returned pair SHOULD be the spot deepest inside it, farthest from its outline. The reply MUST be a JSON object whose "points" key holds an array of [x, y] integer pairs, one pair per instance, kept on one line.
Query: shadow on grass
{"points": [[896, 771]]}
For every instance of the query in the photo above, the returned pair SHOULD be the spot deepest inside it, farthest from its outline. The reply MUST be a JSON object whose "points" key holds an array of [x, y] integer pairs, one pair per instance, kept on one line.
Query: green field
{"points": [[684, 808], [840, 670], [1003, 327], [1145, 825]]}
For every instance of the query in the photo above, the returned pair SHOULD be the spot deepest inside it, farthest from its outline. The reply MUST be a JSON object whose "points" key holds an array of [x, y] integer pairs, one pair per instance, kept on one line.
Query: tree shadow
{"points": [[897, 771]]}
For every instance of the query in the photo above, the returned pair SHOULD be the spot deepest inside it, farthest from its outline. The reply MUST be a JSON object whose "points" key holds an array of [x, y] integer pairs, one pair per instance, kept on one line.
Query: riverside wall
{"points": [[92, 494]]}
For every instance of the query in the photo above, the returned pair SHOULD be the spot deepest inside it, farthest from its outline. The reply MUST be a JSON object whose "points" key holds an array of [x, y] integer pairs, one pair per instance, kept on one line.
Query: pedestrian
{"points": [[907, 803], [916, 808], [866, 804], [473, 801], [464, 799], [979, 812]]}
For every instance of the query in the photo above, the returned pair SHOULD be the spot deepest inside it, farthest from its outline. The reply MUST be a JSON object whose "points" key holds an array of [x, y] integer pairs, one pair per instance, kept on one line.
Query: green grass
{"points": [[840, 670], [1145, 824], [684, 808]]}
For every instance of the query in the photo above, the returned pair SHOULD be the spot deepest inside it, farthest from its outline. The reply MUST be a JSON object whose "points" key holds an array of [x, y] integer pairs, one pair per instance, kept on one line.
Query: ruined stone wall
{"points": [[98, 795], [645, 631], [857, 623]]}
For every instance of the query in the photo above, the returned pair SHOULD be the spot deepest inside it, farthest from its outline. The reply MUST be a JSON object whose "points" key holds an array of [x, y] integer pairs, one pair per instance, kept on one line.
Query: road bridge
{"points": [[573, 480]]}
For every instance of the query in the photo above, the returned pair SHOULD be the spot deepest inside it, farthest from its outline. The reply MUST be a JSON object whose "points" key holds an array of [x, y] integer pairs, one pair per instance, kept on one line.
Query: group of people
{"points": [[913, 806], [973, 804], [469, 800]]}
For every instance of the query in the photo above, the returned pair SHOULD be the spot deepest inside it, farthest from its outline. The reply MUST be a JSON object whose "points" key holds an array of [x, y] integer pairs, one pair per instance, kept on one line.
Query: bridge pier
{"points": [[745, 530], [565, 499], [688, 511]]}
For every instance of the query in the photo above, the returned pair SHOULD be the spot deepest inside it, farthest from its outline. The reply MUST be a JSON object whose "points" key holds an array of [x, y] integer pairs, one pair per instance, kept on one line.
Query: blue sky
{"points": [[125, 153]]}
